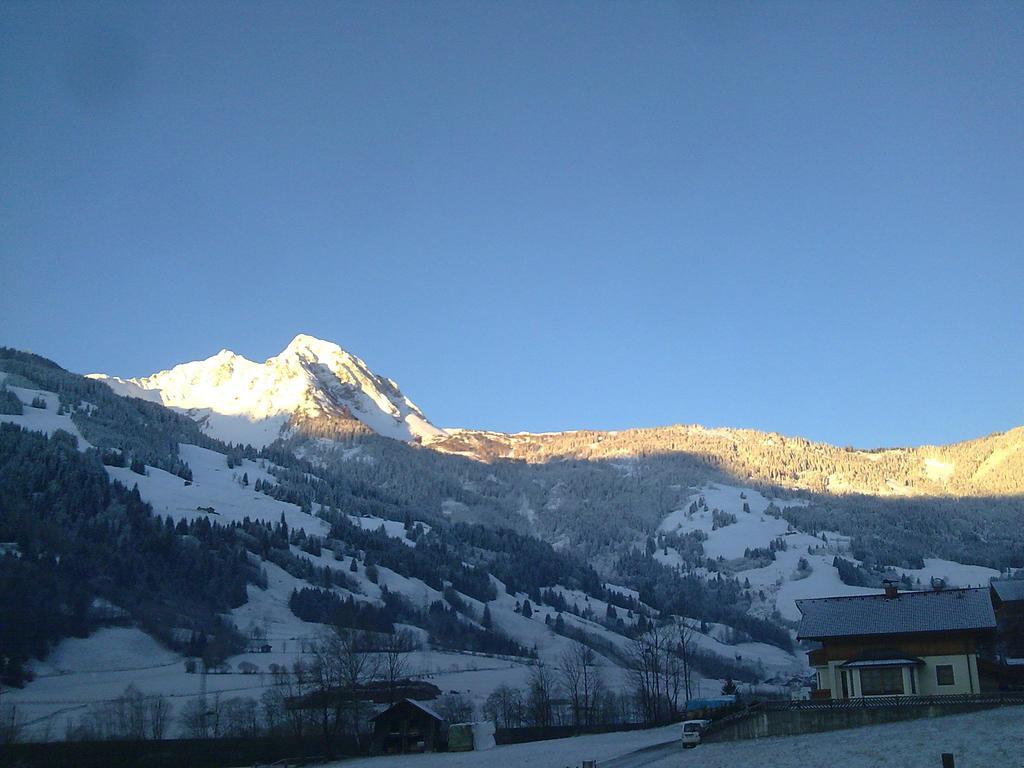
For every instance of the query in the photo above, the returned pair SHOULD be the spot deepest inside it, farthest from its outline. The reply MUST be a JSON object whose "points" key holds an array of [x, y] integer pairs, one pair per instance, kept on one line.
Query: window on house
{"points": [[944, 674], [884, 681]]}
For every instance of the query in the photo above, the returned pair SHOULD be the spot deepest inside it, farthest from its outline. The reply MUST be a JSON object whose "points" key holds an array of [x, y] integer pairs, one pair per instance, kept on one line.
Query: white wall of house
{"points": [[919, 680], [965, 675]]}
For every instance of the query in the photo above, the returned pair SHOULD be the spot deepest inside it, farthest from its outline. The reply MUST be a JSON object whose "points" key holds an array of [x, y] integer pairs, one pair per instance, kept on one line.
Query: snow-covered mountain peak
{"points": [[239, 400], [305, 346]]}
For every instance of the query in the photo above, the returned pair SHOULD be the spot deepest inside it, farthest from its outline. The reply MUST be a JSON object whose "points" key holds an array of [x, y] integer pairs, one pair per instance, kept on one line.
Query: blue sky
{"points": [[807, 218]]}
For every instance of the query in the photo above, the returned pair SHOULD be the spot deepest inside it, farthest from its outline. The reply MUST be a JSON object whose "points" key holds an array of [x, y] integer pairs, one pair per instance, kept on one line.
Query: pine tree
{"points": [[486, 622]]}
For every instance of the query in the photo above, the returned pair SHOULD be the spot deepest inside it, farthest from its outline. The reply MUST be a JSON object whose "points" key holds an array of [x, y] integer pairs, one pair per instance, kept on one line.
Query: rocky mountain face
{"points": [[241, 401]]}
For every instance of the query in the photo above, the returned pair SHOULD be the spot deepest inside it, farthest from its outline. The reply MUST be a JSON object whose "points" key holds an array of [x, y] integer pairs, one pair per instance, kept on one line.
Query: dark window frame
{"points": [[882, 681], [940, 676]]}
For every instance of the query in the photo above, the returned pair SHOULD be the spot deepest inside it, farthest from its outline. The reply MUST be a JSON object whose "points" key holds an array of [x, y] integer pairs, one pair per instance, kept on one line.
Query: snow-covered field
{"points": [[954, 574], [82, 672], [536, 754], [990, 739]]}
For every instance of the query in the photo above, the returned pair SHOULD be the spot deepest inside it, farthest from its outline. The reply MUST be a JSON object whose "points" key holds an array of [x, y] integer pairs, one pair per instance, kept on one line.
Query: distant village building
{"points": [[898, 644], [1008, 600], [1007, 669]]}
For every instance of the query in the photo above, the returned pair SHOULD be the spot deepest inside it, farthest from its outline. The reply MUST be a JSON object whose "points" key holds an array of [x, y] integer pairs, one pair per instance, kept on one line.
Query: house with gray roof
{"points": [[1008, 599], [898, 643], [1007, 591]]}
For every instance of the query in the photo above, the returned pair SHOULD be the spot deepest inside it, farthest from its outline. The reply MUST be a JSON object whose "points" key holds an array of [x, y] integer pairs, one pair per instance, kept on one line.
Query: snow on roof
{"points": [[418, 704], [1009, 591], [882, 657], [429, 710], [937, 611]]}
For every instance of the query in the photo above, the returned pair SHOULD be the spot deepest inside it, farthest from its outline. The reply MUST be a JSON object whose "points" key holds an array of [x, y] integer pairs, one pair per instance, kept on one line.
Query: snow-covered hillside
{"points": [[803, 564], [47, 419], [241, 401]]}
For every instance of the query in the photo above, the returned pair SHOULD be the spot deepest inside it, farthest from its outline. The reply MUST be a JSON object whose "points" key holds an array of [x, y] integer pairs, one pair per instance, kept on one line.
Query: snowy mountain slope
{"points": [[992, 465], [241, 401], [46, 420], [214, 486], [783, 581]]}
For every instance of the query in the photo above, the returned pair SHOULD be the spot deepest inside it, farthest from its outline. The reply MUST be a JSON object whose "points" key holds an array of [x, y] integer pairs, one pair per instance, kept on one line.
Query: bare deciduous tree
{"points": [[455, 708], [394, 658], [685, 649], [505, 707], [540, 692], [655, 672], [581, 681], [344, 660], [11, 724]]}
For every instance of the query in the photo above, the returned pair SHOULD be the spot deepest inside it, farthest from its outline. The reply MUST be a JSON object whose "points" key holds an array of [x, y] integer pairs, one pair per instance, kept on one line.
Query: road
{"points": [[646, 756]]}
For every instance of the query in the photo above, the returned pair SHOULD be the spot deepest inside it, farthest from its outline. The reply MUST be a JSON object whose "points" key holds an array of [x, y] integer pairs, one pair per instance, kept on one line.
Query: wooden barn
{"points": [[408, 726]]}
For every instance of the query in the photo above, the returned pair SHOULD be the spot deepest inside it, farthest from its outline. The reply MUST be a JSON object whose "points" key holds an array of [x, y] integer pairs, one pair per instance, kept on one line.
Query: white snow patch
{"points": [[214, 485], [45, 420], [954, 574]]}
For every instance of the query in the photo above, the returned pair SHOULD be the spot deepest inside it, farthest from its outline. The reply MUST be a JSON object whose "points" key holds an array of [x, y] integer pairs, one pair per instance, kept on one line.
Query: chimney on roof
{"points": [[890, 588]]}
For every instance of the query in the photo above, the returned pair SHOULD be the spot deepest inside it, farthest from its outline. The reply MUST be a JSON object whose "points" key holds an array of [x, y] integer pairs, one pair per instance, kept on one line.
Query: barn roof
{"points": [[947, 610], [418, 704]]}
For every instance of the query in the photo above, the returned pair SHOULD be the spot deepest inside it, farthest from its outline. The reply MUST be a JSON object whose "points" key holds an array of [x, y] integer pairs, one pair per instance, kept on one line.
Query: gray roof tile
{"points": [[937, 611]]}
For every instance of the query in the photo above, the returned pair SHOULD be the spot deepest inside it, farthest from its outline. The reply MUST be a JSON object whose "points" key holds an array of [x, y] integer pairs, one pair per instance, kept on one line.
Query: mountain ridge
{"points": [[312, 382]]}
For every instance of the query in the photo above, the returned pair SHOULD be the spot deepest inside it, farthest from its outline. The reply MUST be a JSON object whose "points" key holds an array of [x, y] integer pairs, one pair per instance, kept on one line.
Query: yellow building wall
{"points": [[925, 678]]}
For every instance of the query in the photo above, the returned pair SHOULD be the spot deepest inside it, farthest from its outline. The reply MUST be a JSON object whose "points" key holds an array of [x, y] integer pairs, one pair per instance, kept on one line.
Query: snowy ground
{"points": [[990, 739], [81, 672], [954, 574], [536, 754]]}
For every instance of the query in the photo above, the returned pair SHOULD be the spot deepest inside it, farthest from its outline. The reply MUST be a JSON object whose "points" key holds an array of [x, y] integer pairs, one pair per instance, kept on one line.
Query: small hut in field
{"points": [[408, 726]]}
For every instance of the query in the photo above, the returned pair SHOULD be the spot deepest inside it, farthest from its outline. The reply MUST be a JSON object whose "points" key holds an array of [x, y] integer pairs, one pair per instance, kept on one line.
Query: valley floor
{"points": [[990, 739]]}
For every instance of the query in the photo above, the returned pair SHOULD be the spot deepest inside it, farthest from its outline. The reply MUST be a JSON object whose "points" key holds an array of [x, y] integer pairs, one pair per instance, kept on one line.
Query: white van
{"points": [[692, 731]]}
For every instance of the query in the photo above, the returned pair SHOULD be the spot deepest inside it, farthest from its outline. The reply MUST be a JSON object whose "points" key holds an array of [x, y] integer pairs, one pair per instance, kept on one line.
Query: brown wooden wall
{"points": [[939, 644]]}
